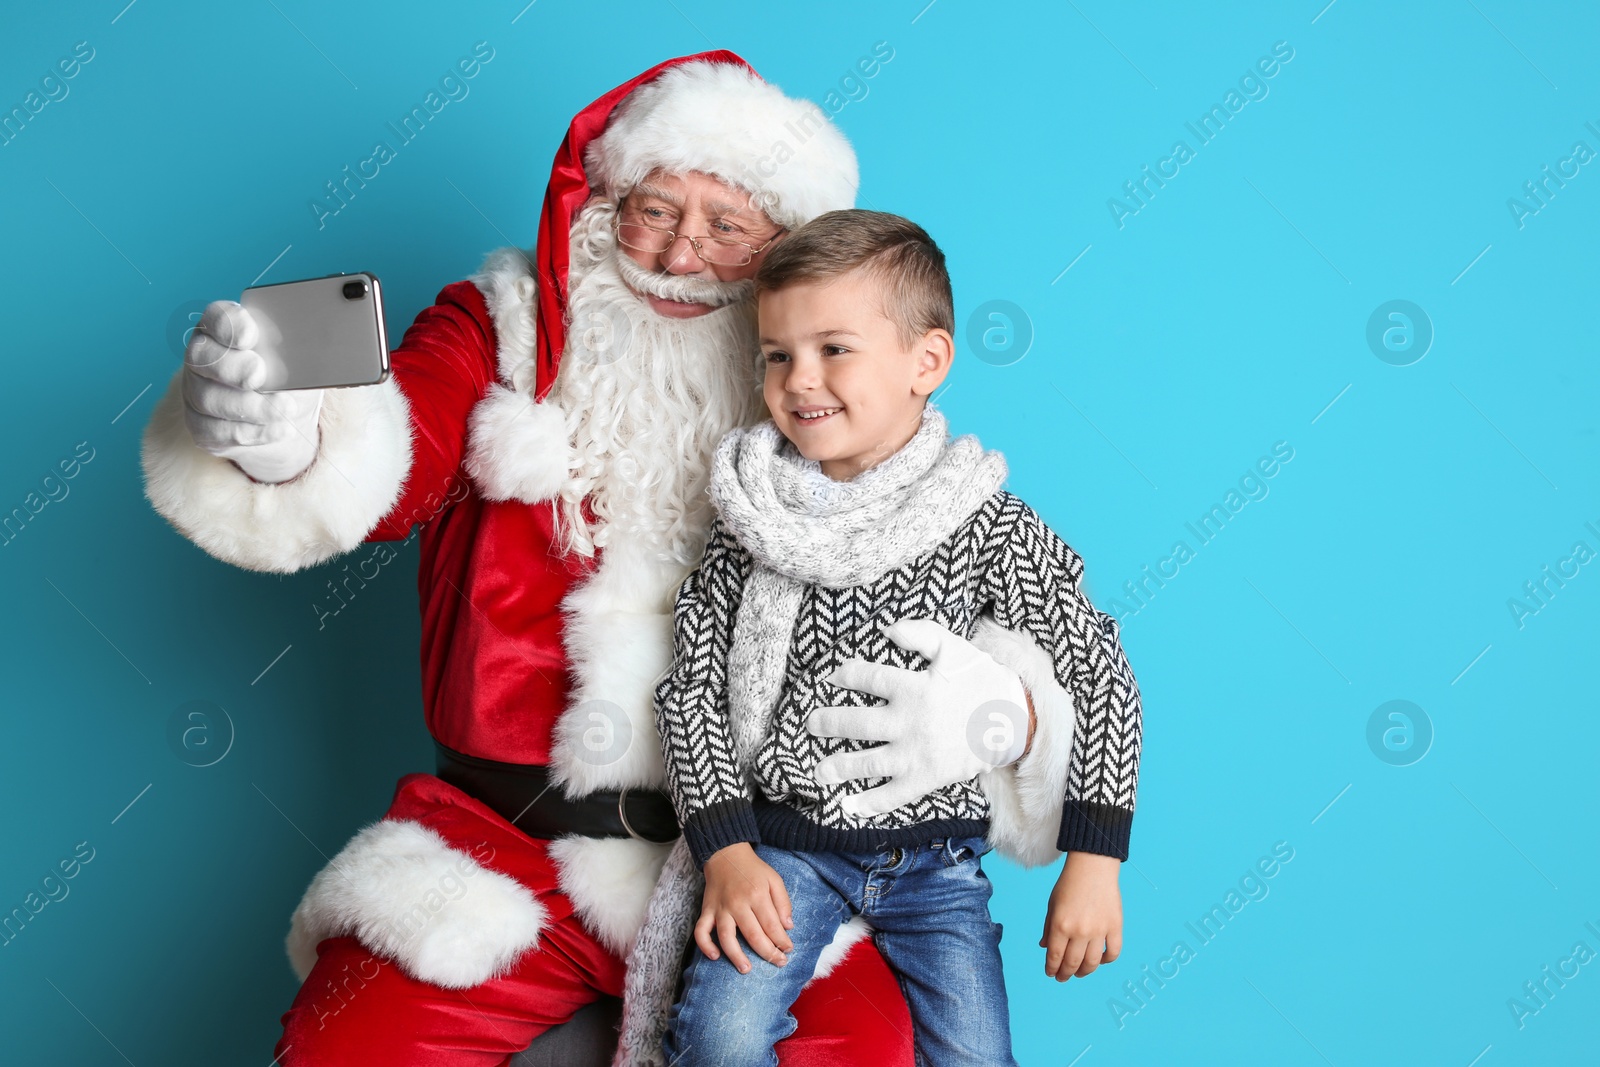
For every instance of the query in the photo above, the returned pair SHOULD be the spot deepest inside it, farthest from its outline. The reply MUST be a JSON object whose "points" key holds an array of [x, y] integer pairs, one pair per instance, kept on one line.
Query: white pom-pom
{"points": [[517, 449]]}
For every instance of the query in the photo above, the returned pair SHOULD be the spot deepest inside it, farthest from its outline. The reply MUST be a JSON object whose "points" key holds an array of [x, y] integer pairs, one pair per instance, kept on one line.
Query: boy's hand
{"points": [[744, 895], [1083, 926]]}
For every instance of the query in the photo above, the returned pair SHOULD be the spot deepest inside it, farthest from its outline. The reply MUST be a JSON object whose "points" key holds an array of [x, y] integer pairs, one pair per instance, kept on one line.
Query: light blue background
{"points": [[1227, 315]]}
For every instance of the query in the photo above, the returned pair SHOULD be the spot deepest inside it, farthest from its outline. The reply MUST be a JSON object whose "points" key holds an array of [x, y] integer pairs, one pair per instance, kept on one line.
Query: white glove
{"points": [[964, 715], [271, 436]]}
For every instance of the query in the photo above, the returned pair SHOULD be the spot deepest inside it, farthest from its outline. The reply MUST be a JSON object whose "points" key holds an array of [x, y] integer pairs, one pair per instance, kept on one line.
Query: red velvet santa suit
{"points": [[442, 934]]}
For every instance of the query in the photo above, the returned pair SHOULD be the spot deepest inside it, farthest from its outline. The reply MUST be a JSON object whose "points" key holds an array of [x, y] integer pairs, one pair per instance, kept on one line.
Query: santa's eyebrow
{"points": [[714, 208], [646, 189]]}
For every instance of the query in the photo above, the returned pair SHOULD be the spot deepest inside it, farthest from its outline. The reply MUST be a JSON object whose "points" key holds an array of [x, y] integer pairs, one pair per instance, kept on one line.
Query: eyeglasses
{"points": [[718, 250]]}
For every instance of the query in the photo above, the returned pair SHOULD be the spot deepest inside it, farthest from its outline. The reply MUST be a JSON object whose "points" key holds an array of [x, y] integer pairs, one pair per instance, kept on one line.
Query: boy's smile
{"points": [[841, 381]]}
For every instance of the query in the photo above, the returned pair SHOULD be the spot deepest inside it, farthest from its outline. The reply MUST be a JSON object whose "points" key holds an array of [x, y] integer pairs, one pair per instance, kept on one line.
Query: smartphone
{"points": [[320, 333]]}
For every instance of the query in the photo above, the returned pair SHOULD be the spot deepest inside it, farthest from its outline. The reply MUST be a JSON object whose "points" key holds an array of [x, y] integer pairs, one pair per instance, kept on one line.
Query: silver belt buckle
{"points": [[622, 804]]}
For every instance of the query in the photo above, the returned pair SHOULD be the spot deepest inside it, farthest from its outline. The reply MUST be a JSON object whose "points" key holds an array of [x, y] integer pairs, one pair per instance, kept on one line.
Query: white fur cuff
{"points": [[1026, 799], [844, 939], [609, 881], [355, 480], [404, 893]]}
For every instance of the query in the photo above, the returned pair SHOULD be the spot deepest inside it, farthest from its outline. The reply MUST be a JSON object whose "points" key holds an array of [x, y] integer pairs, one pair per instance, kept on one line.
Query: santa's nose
{"points": [[681, 258]]}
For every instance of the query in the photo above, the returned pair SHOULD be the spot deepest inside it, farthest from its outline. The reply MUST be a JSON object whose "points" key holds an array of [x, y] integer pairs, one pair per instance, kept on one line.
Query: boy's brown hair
{"points": [[913, 282]]}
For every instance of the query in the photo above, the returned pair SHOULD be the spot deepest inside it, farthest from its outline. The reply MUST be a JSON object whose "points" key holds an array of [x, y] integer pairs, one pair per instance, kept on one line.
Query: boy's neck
{"points": [[843, 470]]}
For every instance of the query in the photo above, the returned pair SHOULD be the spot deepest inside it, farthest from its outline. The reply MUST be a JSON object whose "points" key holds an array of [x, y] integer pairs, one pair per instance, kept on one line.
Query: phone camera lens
{"points": [[355, 290]]}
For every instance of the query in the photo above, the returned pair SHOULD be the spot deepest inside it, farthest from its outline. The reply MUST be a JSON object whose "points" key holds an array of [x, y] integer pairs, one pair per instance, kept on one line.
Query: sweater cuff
{"points": [[716, 826], [1092, 826]]}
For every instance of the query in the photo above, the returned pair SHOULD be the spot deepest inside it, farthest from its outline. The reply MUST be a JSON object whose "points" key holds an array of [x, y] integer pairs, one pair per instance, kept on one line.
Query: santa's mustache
{"points": [[681, 287]]}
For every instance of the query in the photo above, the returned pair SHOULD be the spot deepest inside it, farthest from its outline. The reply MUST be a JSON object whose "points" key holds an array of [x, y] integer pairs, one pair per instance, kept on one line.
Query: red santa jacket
{"points": [[490, 578], [514, 666]]}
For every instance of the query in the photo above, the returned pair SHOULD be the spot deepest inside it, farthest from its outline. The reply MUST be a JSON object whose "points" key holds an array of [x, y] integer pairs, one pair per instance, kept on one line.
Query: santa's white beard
{"points": [[648, 397]]}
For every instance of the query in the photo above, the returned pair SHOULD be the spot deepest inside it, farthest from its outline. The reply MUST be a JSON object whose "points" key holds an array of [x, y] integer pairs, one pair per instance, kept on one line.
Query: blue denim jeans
{"points": [[929, 909]]}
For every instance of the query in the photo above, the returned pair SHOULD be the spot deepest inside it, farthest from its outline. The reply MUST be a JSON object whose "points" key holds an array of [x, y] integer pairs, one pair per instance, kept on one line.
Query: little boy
{"points": [[851, 509]]}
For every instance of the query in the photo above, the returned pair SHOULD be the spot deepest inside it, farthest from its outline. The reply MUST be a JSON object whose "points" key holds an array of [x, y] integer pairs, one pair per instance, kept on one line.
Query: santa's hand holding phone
{"points": [[272, 437]]}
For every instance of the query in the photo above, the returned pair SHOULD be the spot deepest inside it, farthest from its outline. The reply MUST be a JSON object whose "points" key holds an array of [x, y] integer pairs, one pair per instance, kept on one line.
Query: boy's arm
{"points": [[708, 788], [742, 893], [1035, 585]]}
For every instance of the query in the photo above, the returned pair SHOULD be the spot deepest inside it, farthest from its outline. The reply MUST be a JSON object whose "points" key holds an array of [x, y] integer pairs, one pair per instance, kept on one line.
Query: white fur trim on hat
{"points": [[721, 119], [362, 464], [404, 893], [1026, 798]]}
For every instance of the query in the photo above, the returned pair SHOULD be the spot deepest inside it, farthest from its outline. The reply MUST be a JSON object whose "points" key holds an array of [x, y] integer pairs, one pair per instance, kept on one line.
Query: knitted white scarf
{"points": [[802, 527], [805, 525]]}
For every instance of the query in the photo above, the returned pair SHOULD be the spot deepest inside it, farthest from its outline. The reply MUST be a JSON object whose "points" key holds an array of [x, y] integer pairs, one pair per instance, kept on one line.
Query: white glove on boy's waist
{"points": [[962, 716]]}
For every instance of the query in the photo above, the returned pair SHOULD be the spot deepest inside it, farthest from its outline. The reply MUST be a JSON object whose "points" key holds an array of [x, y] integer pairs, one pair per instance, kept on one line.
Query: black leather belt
{"points": [[527, 797]]}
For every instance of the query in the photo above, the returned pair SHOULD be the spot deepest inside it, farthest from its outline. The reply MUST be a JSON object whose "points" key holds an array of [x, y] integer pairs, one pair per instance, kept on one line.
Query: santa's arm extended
{"points": [[387, 456]]}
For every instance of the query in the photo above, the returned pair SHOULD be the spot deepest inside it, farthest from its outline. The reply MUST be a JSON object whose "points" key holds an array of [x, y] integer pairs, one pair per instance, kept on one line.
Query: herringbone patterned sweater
{"points": [[1003, 559]]}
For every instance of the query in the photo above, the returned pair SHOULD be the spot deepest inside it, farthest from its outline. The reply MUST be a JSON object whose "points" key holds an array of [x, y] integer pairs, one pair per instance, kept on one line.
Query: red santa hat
{"points": [[709, 112]]}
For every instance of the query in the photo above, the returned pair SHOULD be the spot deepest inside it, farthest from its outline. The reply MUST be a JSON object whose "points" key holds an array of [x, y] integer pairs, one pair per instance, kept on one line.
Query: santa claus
{"points": [[558, 514]]}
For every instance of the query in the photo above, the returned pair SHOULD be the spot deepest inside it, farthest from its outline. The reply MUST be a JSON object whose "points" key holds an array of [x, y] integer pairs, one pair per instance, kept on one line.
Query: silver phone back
{"points": [[313, 336]]}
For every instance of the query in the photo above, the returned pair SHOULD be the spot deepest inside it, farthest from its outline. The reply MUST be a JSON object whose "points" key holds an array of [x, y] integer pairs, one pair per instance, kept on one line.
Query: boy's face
{"points": [[840, 382]]}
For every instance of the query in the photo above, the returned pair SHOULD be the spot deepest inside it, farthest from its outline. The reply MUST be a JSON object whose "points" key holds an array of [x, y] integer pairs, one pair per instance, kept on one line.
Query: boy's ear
{"points": [[935, 352]]}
